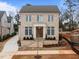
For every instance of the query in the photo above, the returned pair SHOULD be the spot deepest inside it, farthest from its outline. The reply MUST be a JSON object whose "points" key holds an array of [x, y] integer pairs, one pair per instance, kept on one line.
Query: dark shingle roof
{"points": [[49, 8], [1, 14]]}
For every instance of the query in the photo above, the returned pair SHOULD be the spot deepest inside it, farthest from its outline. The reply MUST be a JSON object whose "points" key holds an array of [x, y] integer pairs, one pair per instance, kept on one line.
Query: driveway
{"points": [[10, 48]]}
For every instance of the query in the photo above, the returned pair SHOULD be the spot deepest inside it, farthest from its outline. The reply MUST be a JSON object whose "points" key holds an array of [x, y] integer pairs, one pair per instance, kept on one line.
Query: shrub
{"points": [[60, 37], [14, 33], [24, 38], [1, 38], [7, 36], [4, 37], [54, 38], [31, 38]]}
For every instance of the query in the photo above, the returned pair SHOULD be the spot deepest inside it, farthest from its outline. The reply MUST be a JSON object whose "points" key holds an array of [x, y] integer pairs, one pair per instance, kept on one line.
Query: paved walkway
{"points": [[45, 52], [10, 48]]}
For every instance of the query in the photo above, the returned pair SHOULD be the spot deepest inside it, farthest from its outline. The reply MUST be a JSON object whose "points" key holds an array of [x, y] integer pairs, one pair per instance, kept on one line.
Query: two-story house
{"points": [[39, 23], [3, 24]]}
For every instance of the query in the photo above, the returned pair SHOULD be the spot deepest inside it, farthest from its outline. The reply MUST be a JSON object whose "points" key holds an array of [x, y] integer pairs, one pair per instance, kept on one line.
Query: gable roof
{"points": [[43, 9], [1, 14]]}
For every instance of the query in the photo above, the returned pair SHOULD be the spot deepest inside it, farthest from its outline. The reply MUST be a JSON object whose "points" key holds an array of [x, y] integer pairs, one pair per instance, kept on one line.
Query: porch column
{"points": [[44, 31], [34, 32]]}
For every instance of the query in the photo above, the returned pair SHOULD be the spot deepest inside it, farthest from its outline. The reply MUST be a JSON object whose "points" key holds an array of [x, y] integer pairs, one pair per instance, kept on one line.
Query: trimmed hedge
{"points": [[7, 36], [31, 38], [14, 33], [1, 38]]}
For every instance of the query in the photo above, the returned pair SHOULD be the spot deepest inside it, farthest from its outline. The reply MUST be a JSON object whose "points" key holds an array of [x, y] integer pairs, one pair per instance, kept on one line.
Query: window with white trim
{"points": [[39, 18], [50, 31], [28, 18], [50, 18], [28, 30]]}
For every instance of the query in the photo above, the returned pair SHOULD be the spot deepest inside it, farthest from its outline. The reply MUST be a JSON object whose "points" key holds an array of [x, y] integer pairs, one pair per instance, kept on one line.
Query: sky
{"points": [[12, 6]]}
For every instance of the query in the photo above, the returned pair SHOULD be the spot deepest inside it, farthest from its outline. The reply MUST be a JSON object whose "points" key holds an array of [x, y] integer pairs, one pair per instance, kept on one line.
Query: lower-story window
{"points": [[50, 31], [28, 30]]}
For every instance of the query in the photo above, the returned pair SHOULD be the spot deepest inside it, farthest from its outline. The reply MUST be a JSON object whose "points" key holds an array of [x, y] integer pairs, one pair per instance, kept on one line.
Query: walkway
{"points": [[45, 52], [10, 48]]}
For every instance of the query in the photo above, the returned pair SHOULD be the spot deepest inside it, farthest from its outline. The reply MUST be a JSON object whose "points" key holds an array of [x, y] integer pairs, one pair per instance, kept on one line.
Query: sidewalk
{"points": [[10, 48], [45, 52]]}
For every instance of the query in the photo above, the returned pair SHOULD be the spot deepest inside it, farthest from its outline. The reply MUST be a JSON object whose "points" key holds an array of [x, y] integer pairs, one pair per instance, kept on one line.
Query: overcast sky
{"points": [[12, 6]]}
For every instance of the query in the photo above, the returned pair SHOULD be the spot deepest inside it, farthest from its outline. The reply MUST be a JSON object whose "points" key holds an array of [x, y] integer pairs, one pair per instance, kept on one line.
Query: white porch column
{"points": [[34, 32], [44, 31]]}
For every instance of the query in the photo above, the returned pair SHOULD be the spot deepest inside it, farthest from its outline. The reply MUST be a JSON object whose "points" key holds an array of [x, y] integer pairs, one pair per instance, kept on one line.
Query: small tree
{"points": [[16, 26]]}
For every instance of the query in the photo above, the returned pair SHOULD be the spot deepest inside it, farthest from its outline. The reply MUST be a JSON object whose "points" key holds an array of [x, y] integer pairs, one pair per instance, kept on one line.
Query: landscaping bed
{"points": [[5, 37]]}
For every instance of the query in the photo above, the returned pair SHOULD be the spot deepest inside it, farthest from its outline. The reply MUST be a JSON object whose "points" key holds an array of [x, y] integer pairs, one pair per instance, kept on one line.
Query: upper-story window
{"points": [[50, 18], [9, 20], [39, 18], [28, 18]]}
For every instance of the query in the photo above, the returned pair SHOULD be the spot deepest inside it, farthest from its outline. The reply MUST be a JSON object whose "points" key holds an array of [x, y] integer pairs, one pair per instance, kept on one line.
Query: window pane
{"points": [[41, 19], [30, 30], [27, 18], [26, 30], [52, 31], [37, 18], [48, 31], [50, 18]]}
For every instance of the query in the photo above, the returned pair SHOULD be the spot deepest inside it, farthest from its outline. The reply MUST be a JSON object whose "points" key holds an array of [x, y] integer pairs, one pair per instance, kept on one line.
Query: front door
{"points": [[39, 31]]}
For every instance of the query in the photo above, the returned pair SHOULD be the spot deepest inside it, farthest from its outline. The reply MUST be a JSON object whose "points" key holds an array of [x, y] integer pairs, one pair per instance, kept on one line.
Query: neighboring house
{"points": [[39, 22], [3, 24], [10, 24], [5, 27]]}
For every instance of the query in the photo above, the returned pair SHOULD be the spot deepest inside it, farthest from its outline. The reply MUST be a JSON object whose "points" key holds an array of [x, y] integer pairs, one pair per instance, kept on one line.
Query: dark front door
{"points": [[39, 31]]}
